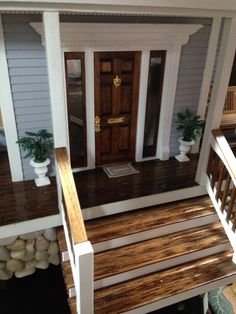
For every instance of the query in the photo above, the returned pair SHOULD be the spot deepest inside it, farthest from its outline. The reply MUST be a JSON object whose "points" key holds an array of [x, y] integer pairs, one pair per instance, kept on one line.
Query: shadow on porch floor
{"points": [[95, 188]]}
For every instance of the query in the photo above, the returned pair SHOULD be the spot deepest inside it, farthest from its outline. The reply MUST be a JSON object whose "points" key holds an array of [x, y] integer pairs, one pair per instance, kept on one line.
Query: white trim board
{"points": [[209, 8], [140, 36], [220, 86], [30, 226], [50, 28], [207, 75], [141, 202], [8, 115], [91, 37]]}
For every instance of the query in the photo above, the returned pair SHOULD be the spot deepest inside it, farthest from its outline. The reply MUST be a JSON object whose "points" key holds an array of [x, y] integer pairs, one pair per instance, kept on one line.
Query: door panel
{"points": [[116, 105]]}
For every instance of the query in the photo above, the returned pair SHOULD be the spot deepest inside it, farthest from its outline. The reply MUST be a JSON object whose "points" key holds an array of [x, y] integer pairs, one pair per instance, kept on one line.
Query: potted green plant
{"points": [[192, 128], [38, 146]]}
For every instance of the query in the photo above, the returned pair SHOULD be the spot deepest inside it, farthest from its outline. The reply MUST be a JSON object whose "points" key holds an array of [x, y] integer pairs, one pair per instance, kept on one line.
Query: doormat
{"points": [[120, 170]]}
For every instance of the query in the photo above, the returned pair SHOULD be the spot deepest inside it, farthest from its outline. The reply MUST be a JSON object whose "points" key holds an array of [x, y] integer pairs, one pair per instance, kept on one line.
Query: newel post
{"points": [[84, 284]]}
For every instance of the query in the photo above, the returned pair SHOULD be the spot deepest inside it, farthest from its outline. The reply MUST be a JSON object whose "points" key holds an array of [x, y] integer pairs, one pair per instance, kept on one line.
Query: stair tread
{"points": [[154, 287], [61, 239], [68, 277], [157, 250], [127, 223], [72, 305]]}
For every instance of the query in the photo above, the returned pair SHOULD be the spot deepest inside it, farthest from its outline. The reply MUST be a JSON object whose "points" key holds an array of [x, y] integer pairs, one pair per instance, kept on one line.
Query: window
{"points": [[75, 81], [153, 105]]}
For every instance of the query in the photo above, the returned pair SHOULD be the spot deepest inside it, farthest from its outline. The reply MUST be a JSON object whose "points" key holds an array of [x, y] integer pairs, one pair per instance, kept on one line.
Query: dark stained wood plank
{"points": [[115, 226], [21, 201], [156, 250], [61, 239], [72, 304], [157, 286], [67, 272], [95, 188]]}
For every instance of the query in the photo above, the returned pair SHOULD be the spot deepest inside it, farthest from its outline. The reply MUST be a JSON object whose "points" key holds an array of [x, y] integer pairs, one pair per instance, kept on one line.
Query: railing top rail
{"points": [[72, 204], [231, 89], [226, 151]]}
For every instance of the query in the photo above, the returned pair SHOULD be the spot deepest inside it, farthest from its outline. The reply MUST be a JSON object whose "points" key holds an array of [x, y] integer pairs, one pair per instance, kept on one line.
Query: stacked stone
{"points": [[24, 254]]}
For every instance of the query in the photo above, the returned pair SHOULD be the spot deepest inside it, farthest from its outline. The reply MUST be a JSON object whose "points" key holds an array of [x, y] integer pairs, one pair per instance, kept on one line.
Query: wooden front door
{"points": [[116, 100]]}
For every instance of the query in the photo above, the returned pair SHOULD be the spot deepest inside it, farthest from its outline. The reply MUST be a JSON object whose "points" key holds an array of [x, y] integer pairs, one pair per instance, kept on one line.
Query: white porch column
{"points": [[8, 115], [56, 77], [222, 76]]}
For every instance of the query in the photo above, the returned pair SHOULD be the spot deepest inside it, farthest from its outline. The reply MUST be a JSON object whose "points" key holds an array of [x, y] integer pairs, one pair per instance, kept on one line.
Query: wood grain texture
{"points": [[157, 286], [116, 102], [156, 250], [67, 272], [95, 188], [228, 121], [115, 226], [61, 239], [72, 205], [22, 201], [72, 305]]}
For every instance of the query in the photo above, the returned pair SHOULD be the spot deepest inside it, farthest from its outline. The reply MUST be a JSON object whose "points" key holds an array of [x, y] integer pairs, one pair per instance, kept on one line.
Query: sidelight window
{"points": [[153, 104], [75, 81]]}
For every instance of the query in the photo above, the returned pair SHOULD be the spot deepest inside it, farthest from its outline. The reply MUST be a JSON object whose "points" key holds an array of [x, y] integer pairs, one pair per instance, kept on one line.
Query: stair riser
{"points": [[105, 282], [154, 233], [141, 202], [182, 296]]}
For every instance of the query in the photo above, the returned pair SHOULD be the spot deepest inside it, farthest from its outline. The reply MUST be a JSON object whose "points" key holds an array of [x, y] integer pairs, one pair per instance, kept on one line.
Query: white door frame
{"points": [[90, 37]]}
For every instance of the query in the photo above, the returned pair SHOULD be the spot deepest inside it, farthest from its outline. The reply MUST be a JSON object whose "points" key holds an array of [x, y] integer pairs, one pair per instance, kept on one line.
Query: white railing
{"points": [[79, 248], [221, 184]]}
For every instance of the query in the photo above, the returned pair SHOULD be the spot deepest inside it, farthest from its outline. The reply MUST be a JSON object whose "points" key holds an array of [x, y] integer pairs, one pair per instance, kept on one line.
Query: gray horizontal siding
{"points": [[30, 95], [19, 63], [29, 87], [32, 79], [191, 68], [28, 103], [28, 77]]}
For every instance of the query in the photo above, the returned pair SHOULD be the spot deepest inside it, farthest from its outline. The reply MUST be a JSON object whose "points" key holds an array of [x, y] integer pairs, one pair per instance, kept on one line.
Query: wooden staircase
{"points": [[149, 258]]}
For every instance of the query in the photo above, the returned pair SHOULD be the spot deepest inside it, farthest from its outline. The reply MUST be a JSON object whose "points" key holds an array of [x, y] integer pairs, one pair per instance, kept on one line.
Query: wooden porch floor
{"points": [[21, 201], [95, 188]]}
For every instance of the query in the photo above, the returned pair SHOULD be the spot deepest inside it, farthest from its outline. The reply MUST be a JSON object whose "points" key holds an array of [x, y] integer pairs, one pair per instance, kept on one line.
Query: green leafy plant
{"points": [[38, 145], [191, 125]]}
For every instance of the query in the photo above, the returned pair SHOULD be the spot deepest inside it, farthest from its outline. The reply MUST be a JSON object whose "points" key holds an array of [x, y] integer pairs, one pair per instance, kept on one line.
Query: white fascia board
{"points": [[180, 4], [191, 8]]}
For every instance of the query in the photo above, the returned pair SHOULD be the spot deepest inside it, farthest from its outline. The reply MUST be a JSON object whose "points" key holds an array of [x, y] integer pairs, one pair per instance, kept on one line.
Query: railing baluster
{"points": [[220, 180], [225, 193], [231, 203]]}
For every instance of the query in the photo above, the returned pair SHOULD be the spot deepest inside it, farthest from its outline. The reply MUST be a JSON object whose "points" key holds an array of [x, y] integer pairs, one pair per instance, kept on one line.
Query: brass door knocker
{"points": [[116, 81]]}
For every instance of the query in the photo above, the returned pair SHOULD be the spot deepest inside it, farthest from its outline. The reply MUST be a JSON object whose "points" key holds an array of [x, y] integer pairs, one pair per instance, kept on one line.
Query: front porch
{"points": [[24, 207], [95, 188]]}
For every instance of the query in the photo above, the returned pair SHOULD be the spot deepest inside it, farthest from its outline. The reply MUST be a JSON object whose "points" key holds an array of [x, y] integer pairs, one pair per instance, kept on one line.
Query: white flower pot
{"points": [[40, 169], [184, 148]]}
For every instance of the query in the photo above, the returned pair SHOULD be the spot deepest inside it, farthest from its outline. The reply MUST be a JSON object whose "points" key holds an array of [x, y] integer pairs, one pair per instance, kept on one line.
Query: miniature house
{"points": [[108, 79]]}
